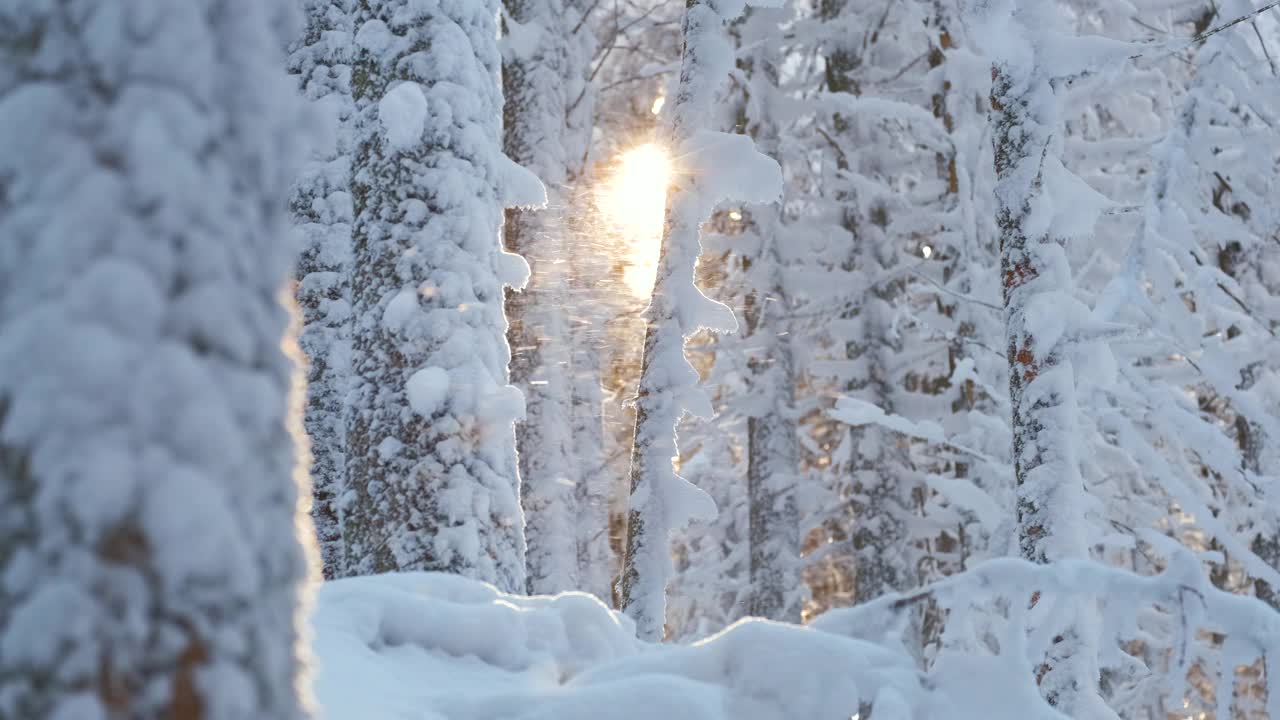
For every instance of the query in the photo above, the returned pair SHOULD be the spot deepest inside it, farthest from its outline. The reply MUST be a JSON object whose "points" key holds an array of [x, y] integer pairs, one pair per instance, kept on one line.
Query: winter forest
{"points": [[639, 359]]}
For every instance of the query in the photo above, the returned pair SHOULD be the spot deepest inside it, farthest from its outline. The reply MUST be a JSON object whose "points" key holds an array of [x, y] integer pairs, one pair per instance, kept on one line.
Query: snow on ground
{"points": [[431, 646], [428, 646]]}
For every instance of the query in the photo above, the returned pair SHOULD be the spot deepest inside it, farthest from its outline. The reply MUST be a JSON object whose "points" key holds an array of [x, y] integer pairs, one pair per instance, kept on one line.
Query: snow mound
{"points": [[423, 646], [428, 389], [403, 112]]}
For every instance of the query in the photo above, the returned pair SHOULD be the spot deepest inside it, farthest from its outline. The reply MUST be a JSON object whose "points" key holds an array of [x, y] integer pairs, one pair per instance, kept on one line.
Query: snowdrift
{"points": [[430, 646], [427, 646]]}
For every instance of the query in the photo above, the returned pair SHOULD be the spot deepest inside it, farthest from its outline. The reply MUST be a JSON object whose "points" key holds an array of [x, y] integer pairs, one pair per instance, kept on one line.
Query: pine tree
{"points": [[322, 208], [431, 466], [746, 561], [149, 512], [951, 314]]}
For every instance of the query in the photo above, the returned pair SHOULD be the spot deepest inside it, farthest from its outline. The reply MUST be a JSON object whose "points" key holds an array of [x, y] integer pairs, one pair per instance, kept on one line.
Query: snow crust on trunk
{"points": [[432, 478], [538, 64], [322, 213], [150, 519]]}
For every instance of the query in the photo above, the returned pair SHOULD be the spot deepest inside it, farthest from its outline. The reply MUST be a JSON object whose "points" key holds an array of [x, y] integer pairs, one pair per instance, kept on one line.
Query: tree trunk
{"points": [[774, 534], [1035, 277], [661, 500], [431, 466], [149, 503], [772, 441], [536, 121], [322, 208]]}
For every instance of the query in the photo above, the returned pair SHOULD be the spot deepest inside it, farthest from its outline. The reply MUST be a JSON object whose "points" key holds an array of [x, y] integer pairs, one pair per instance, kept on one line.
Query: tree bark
{"points": [[322, 208], [536, 115], [659, 498], [431, 467], [772, 442], [1036, 275], [150, 521]]}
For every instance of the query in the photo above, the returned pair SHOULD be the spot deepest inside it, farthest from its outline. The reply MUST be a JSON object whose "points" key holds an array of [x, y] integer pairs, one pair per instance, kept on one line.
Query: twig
{"points": [[834, 145], [1215, 30], [586, 14], [1265, 51], [953, 293]]}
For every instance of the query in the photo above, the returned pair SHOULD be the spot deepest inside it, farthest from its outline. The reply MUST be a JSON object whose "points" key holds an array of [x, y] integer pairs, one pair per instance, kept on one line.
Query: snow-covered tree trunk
{"points": [[772, 452], [1034, 271], [431, 466], [536, 115], [150, 525], [882, 537], [1041, 318], [713, 167], [322, 208], [646, 564], [772, 442]]}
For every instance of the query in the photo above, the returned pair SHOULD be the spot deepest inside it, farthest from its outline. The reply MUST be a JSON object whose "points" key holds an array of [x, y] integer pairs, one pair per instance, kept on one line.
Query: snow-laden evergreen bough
{"points": [[1201, 276], [993, 632], [1043, 209], [1190, 415], [150, 518], [536, 64], [710, 167], [431, 465], [322, 209]]}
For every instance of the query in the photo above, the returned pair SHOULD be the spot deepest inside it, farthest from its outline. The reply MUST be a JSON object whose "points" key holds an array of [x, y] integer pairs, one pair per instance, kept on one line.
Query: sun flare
{"points": [[635, 201]]}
